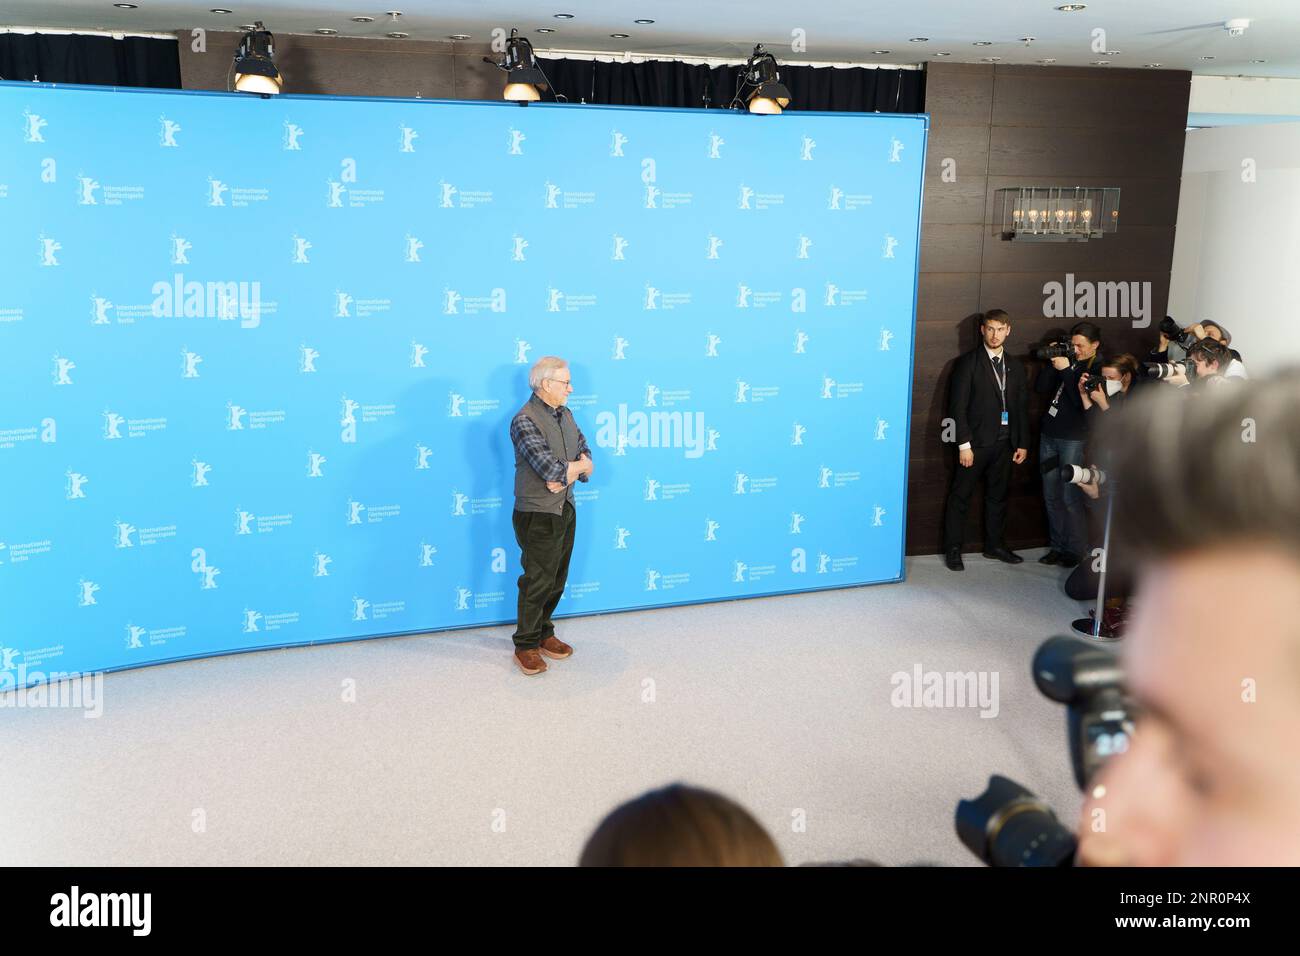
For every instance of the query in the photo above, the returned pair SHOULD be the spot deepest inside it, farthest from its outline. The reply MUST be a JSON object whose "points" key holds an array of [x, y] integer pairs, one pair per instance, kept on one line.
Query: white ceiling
{"points": [[1174, 33]]}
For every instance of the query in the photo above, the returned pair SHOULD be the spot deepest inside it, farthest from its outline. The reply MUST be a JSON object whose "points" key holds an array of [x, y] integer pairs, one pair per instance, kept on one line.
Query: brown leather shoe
{"points": [[555, 649], [529, 661]]}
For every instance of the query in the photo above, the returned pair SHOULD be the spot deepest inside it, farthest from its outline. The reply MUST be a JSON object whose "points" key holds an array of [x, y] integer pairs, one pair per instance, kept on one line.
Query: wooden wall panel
{"points": [[1044, 126]]}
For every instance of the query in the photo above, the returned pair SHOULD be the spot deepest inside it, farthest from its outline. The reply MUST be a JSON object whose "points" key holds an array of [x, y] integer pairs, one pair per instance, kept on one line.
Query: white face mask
{"points": [[1112, 386]]}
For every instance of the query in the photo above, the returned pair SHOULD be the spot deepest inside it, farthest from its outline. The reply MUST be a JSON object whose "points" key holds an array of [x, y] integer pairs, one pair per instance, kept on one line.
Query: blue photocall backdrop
{"points": [[260, 356]]}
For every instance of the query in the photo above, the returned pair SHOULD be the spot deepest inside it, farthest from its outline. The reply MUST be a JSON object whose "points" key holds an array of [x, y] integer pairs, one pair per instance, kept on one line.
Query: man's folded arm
{"points": [[582, 450], [531, 443]]}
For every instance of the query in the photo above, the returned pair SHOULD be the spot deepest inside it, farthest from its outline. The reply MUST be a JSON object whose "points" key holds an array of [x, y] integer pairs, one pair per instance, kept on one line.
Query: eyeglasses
{"points": [[562, 381]]}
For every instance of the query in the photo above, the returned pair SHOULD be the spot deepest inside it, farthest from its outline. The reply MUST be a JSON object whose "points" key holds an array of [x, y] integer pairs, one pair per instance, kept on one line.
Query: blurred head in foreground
{"points": [[1207, 512], [680, 826]]}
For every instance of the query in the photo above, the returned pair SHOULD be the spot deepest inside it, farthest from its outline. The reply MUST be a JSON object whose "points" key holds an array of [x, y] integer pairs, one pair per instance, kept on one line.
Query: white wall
{"points": [[1237, 248]]}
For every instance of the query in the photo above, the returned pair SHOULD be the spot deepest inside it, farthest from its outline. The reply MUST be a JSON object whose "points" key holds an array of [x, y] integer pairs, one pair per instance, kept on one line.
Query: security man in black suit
{"points": [[989, 403]]}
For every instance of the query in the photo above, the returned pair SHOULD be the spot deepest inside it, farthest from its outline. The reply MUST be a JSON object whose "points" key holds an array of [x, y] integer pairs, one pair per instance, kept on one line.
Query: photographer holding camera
{"points": [[1110, 389], [1061, 442], [1211, 776], [1211, 359]]}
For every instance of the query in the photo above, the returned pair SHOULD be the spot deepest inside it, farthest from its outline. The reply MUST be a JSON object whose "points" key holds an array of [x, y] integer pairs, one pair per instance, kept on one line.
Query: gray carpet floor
{"points": [[450, 756]]}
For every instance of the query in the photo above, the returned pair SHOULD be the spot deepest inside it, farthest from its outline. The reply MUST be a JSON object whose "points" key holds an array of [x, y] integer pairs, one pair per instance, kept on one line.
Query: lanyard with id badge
{"points": [[1002, 387]]}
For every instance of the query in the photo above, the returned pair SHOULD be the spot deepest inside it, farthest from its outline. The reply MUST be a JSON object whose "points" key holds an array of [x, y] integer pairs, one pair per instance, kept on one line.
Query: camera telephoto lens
{"points": [[1007, 825], [1164, 370]]}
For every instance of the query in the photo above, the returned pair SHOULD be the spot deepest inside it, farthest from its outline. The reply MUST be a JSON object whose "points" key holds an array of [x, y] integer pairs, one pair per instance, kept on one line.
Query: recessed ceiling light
{"points": [[1111, 52], [546, 29], [982, 43], [918, 40], [1259, 61], [219, 10], [619, 36], [398, 36], [363, 19], [1153, 66], [1050, 59], [326, 31], [881, 52], [1101, 62], [1028, 39], [126, 6], [643, 21], [943, 54], [1207, 58], [1072, 7], [460, 36], [990, 59], [564, 16]]}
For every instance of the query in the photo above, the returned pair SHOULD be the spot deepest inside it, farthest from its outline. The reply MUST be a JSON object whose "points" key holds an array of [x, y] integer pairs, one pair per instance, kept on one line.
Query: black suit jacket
{"points": [[975, 403]]}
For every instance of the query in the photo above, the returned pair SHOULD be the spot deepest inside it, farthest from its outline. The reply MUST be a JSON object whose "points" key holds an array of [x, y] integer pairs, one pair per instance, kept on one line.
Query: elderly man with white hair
{"points": [[550, 455]]}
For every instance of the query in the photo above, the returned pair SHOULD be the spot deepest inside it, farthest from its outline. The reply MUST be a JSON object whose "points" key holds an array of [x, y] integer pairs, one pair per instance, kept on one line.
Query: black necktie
{"points": [[997, 365]]}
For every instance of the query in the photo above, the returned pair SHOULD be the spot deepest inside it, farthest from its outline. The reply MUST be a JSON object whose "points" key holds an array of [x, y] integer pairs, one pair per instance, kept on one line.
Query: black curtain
{"points": [[672, 83], [95, 60]]}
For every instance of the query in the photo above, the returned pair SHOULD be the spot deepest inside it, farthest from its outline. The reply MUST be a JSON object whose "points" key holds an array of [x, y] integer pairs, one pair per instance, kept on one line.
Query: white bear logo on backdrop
{"points": [[877, 519], [35, 124], [620, 348], [738, 575], [422, 455], [885, 336], [122, 534], [620, 247], [342, 305], [516, 142], [359, 607], [408, 138], [320, 565], [292, 136], [242, 521], [458, 503], [620, 539], [199, 477], [76, 484], [86, 191], [190, 363], [235, 417], [413, 247], [250, 621], [837, 195], [806, 148], [47, 251], [881, 425], [799, 431], [62, 370], [99, 307], [87, 593], [167, 132], [743, 292], [133, 635], [180, 250], [427, 551], [895, 150], [746, 197], [616, 144], [518, 247], [418, 352], [451, 302], [715, 244], [113, 423], [710, 529], [552, 195], [796, 523], [711, 345], [800, 342], [716, 143], [217, 192], [307, 357], [354, 511], [890, 245], [300, 247], [651, 297], [314, 463], [336, 191], [741, 483], [522, 349]]}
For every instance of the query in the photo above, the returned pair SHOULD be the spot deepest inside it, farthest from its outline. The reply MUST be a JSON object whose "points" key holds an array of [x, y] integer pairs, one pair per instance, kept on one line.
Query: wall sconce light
{"points": [[1057, 213]]}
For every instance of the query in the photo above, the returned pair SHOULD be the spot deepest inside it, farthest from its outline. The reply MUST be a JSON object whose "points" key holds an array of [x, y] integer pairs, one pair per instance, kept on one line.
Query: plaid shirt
{"points": [[531, 444]]}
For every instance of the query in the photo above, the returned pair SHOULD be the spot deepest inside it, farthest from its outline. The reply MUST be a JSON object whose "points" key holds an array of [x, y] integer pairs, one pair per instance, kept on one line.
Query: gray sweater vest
{"points": [[531, 493]]}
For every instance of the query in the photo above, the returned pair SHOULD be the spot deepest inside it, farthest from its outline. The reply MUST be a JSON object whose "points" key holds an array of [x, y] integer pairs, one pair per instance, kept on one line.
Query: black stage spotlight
{"points": [[524, 78], [254, 67], [762, 82]]}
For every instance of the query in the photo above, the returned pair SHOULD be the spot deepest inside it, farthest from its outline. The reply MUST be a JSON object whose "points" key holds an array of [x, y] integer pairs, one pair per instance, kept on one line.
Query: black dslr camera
{"points": [[1007, 825], [1054, 350], [1174, 333]]}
